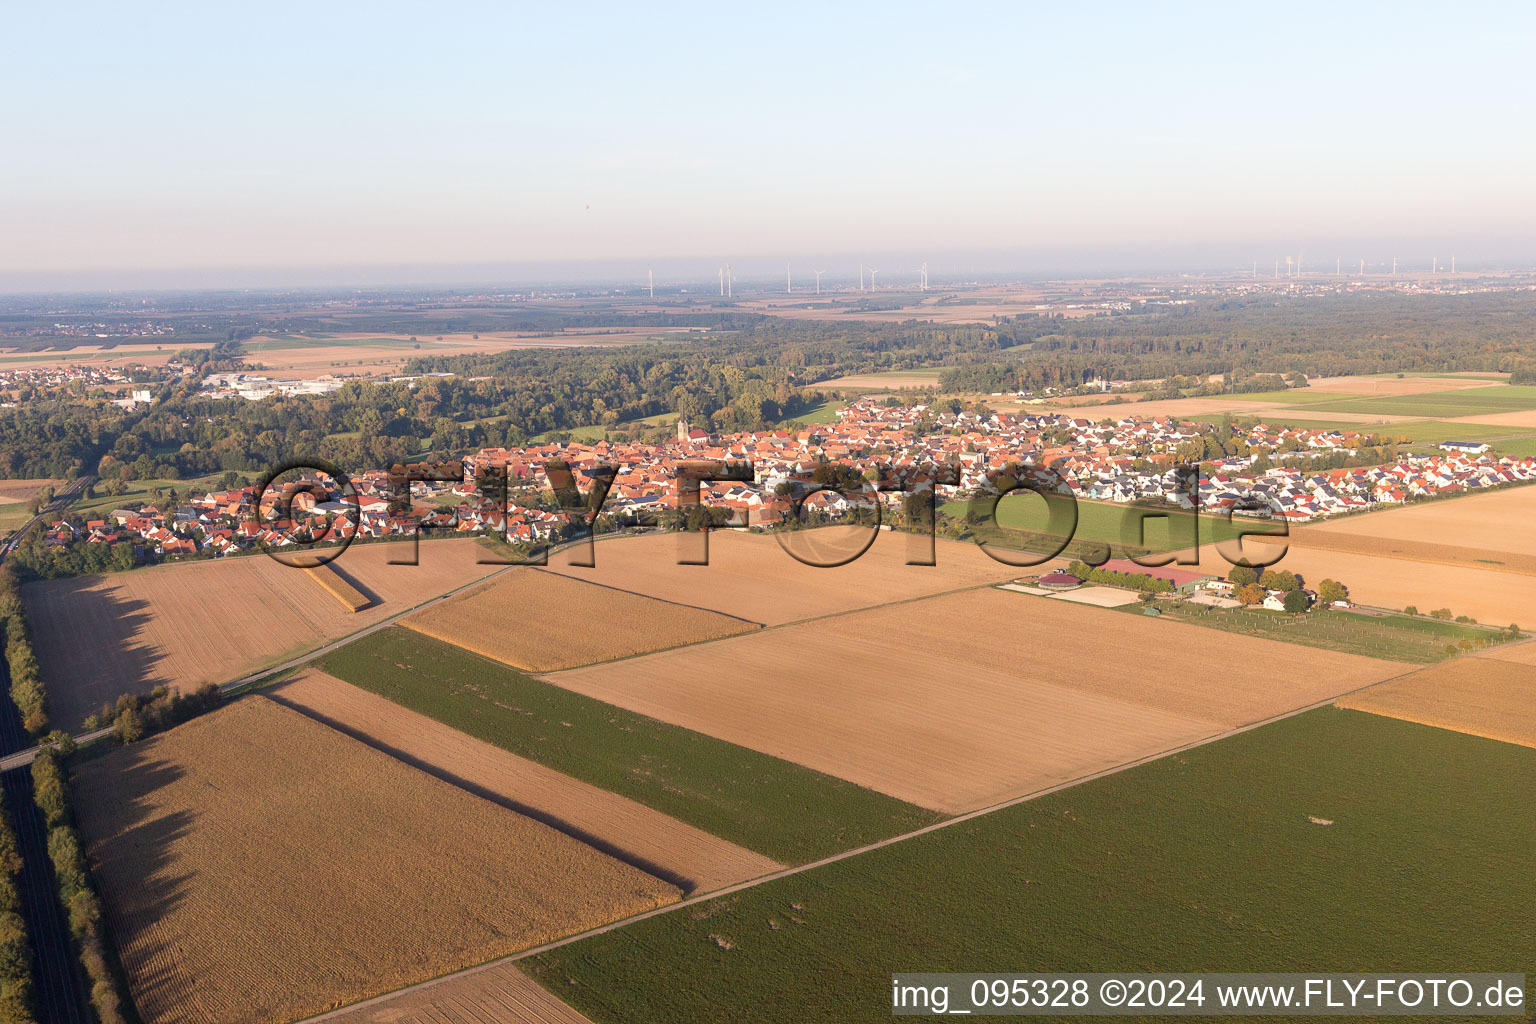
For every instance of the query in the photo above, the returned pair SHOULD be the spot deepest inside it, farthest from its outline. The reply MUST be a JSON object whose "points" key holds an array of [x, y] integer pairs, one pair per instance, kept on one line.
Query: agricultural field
{"points": [[540, 621], [749, 576], [1333, 837], [353, 354], [962, 701], [16, 500], [189, 623], [1405, 638], [498, 995], [1097, 521], [1489, 596], [1483, 696], [889, 380], [1463, 403], [249, 861], [1495, 523], [781, 810], [687, 857]]}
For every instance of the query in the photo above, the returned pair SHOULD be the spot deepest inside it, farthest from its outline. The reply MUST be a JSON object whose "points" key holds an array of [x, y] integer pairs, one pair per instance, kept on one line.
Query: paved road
{"points": [[60, 500]]}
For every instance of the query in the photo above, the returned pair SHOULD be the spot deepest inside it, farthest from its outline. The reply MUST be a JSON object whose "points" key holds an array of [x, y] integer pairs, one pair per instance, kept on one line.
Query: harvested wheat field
{"points": [[1495, 523], [961, 701], [1520, 654], [257, 867], [1495, 597], [751, 577], [497, 995], [185, 624], [690, 858], [541, 621], [1483, 696]]}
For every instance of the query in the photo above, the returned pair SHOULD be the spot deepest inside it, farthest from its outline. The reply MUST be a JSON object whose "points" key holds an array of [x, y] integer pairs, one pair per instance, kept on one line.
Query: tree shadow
{"points": [[76, 624]]}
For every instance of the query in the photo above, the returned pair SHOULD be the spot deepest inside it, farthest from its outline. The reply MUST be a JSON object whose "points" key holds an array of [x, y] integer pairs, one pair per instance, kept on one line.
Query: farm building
{"points": [[1183, 581], [1058, 581]]}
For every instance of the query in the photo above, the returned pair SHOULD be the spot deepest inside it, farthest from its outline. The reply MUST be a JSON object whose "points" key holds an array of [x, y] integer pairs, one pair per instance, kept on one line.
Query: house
{"points": [[1469, 447]]}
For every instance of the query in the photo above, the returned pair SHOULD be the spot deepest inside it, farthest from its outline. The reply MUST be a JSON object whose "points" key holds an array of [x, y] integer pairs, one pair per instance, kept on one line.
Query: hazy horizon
{"points": [[186, 146]]}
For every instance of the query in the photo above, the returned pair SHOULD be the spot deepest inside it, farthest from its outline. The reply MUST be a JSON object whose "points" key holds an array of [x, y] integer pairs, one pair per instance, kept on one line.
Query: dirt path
{"points": [[688, 857]]}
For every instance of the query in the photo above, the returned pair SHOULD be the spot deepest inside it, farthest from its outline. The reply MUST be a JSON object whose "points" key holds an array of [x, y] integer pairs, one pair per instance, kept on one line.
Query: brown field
{"points": [[156, 353], [1494, 597], [751, 577], [356, 357], [1483, 696], [257, 867], [1376, 387], [541, 621], [882, 382], [1523, 418], [660, 845], [1411, 550], [1520, 654], [960, 701], [352, 599], [1496, 522], [25, 490], [498, 995], [190, 623]]}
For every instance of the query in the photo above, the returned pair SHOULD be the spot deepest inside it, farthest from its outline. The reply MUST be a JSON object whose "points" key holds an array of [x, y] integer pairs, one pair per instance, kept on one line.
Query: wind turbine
{"points": [[872, 273], [1394, 266], [788, 287], [818, 274], [722, 282], [861, 277], [729, 282], [1453, 266], [1362, 268], [1289, 263], [650, 280]]}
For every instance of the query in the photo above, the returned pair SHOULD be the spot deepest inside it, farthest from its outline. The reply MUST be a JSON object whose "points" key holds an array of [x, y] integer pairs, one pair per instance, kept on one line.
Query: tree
{"points": [[1251, 595], [1242, 575], [1443, 614], [1411, 610], [1330, 591], [1295, 602], [1279, 579]]}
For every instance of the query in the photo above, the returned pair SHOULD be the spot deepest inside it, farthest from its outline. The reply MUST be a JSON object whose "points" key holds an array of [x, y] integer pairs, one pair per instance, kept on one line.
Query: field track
{"points": [[964, 700], [688, 857], [257, 866]]}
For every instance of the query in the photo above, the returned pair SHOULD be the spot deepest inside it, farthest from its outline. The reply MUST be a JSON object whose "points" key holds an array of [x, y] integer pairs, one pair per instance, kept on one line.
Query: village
{"points": [[1110, 461]]}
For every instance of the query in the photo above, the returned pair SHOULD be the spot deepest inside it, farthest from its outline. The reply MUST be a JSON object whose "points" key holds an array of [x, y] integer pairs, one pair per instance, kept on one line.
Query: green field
{"points": [[1394, 637], [1202, 861], [1505, 440], [142, 492], [1292, 396], [1099, 521], [825, 412], [1447, 404], [788, 812]]}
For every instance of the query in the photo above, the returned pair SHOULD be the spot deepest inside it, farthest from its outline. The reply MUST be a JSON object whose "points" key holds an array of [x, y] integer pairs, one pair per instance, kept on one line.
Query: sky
{"points": [[193, 143]]}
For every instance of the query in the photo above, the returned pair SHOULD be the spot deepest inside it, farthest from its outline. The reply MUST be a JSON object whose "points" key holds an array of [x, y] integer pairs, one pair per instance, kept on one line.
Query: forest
{"points": [[753, 372]]}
